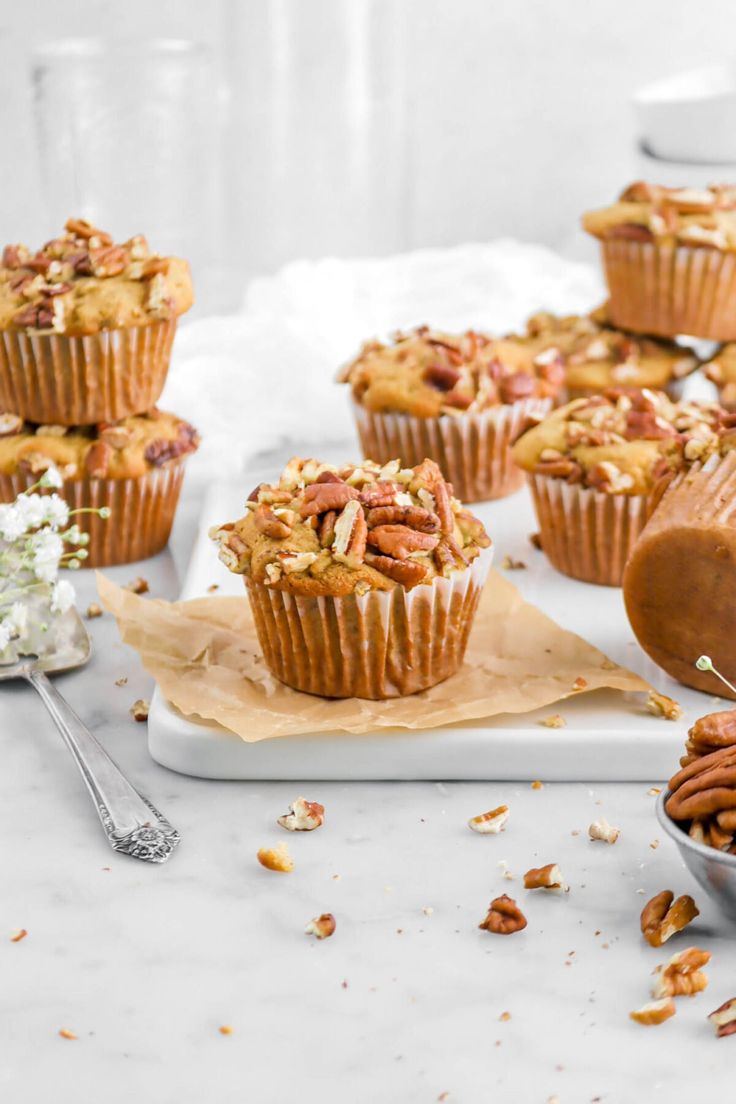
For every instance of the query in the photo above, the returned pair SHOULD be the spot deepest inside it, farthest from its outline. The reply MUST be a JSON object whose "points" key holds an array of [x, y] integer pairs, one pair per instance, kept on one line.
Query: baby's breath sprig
{"points": [[37, 537], [704, 663]]}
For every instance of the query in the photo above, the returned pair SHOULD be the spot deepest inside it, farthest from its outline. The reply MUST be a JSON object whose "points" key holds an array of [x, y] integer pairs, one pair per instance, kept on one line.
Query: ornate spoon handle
{"points": [[132, 825]]}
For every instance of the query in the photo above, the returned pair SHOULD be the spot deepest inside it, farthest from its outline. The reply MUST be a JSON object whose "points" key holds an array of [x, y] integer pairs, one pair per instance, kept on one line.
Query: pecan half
{"points": [[326, 529], [399, 541], [414, 517], [377, 494], [682, 976], [160, 451], [111, 260], [406, 572], [351, 533], [97, 460], [81, 228], [705, 786], [504, 917], [663, 917], [443, 507], [441, 376], [267, 522], [320, 497], [714, 731], [724, 1018]]}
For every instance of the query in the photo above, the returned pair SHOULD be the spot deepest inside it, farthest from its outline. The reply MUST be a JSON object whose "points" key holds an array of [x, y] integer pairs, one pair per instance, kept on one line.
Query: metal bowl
{"points": [[714, 870]]}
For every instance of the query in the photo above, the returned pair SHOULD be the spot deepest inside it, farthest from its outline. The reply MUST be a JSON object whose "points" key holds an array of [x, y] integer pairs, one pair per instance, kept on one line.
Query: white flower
{"points": [[17, 619], [46, 572], [12, 523], [51, 478], [47, 548], [62, 597], [56, 511], [32, 510], [4, 635]]}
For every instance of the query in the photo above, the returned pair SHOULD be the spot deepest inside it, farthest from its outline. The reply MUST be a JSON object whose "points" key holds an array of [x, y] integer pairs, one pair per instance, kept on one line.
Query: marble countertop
{"points": [[406, 1002]]}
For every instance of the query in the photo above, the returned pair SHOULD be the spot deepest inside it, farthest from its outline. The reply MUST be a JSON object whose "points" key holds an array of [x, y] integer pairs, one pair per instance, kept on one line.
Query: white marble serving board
{"points": [[608, 736]]}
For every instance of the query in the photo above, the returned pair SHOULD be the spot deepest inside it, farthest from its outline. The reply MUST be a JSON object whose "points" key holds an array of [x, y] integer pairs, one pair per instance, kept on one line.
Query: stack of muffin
{"points": [[86, 331]]}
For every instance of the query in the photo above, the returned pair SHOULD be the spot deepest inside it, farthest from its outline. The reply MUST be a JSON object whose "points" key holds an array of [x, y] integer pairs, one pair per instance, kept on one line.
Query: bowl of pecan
{"points": [[698, 808]]}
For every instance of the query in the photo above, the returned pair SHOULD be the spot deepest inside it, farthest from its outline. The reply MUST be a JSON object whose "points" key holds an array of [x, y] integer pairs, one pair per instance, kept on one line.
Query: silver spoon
{"points": [[132, 825]]}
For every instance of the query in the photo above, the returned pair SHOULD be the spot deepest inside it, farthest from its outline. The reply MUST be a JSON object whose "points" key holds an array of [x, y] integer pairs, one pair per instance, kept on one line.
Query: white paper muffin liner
{"points": [[383, 644], [586, 533], [142, 511], [472, 450]]}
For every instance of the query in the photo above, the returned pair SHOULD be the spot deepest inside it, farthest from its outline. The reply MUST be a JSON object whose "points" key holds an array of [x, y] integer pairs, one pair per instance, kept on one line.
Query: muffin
{"points": [[133, 466], [596, 356], [460, 400], [680, 581], [86, 326], [721, 370], [597, 467], [363, 580], [670, 259]]}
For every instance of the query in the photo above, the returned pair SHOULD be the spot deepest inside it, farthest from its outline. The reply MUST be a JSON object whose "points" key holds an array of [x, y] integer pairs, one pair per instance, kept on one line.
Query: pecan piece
{"points": [[663, 917], [276, 858], [682, 976], [155, 266], [408, 573], [642, 425], [443, 508], [441, 376], [399, 541], [111, 260], [504, 917], [321, 926], [321, 497], [81, 228], [10, 425], [351, 533], [268, 523], [724, 1018], [328, 476], [490, 823], [303, 816], [518, 386], [13, 256], [160, 451], [97, 460], [656, 1012], [545, 877], [81, 263], [414, 517], [326, 528], [377, 494]]}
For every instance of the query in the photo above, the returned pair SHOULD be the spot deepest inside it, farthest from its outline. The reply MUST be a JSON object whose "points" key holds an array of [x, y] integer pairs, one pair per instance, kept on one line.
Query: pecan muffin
{"points": [[670, 259], [598, 467], [460, 400], [86, 326], [595, 355], [134, 466], [363, 580]]}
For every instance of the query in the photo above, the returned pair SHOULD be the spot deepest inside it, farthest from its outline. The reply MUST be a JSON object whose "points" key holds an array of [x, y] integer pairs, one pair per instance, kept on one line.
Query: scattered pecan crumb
{"points": [[536, 540], [504, 917], [92, 611], [226, 1029], [491, 822], [505, 1016], [580, 683], [276, 858], [662, 706], [663, 917], [122, 681], [428, 910], [66, 1033], [303, 816], [656, 1012], [545, 877], [139, 585], [321, 926], [505, 872], [443, 1096], [654, 844], [16, 937], [555, 720], [213, 587], [724, 1018], [510, 564], [139, 710], [537, 785], [602, 830], [654, 791]]}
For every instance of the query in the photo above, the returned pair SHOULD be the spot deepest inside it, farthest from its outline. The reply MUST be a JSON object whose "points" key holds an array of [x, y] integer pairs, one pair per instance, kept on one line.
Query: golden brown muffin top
{"points": [[699, 217], [595, 355], [428, 373], [324, 530], [621, 442], [81, 283], [111, 450]]}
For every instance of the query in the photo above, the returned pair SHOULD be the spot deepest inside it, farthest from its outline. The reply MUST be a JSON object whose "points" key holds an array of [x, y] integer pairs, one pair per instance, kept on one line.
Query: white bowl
{"points": [[690, 117]]}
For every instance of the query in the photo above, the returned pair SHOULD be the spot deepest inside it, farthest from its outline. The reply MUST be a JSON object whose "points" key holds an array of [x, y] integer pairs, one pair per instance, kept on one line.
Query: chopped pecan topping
{"points": [[663, 917], [326, 528], [320, 497], [161, 451], [441, 376], [400, 542], [504, 917], [414, 517], [518, 386], [407, 572], [80, 228], [97, 460], [443, 507], [377, 495], [111, 260], [351, 533], [269, 524]]}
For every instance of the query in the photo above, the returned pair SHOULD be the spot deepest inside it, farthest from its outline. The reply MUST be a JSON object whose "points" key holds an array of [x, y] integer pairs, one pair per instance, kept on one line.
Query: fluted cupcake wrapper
{"points": [[585, 533], [671, 289], [141, 511], [472, 450], [383, 644], [60, 379]]}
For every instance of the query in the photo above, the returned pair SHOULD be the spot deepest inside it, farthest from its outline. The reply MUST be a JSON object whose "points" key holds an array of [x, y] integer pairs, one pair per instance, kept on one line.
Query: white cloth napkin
{"points": [[264, 379]]}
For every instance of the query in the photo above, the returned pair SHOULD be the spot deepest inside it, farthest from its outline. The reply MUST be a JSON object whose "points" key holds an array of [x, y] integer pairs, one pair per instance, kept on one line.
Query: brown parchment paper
{"points": [[204, 655]]}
